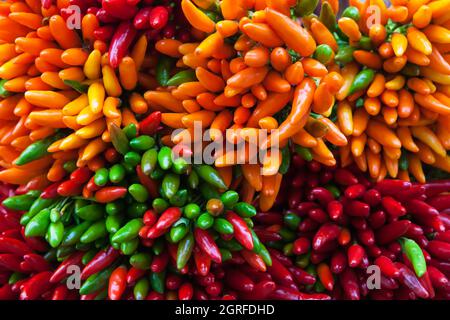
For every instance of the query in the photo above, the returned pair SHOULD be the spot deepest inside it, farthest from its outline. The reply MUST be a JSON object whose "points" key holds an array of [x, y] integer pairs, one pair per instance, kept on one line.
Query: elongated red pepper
{"points": [[387, 267], [438, 279], [168, 218], [6, 293], [355, 255], [279, 272], [37, 262], [206, 243], [159, 17], [409, 279], [36, 286], [117, 283], [338, 262], [60, 293], [149, 184], [302, 277], [284, 293], [239, 281], [323, 195], [440, 202], [10, 261], [134, 274], [10, 245], [69, 188], [436, 187], [285, 260], [121, 41], [202, 261], [421, 208], [101, 260], [439, 249], [61, 272], [159, 262], [241, 230], [345, 177], [327, 232], [391, 187], [51, 191], [392, 231], [150, 124], [120, 9], [393, 207], [350, 285], [110, 194]]}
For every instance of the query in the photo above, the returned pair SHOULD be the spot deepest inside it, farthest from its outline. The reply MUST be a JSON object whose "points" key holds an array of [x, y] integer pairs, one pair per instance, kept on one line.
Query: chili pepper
{"points": [[408, 279], [352, 13], [344, 55], [415, 256], [210, 175], [349, 283], [20, 203], [150, 124], [117, 283], [391, 187], [157, 281], [99, 262], [239, 281], [184, 252], [305, 8], [61, 272], [73, 235], [109, 194], [327, 16], [439, 249], [181, 77], [97, 281], [362, 80], [241, 230], [326, 233], [36, 150], [36, 286], [207, 244], [355, 255], [38, 224], [122, 39], [163, 69], [438, 279], [129, 231]]}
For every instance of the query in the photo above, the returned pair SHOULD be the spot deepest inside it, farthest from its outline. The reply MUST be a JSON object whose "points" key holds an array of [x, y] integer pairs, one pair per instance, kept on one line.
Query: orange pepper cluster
{"points": [[400, 120], [247, 70]]}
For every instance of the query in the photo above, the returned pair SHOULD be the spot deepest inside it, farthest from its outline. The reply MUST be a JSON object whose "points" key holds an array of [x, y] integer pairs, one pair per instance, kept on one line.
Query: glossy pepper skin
{"points": [[206, 242], [120, 43]]}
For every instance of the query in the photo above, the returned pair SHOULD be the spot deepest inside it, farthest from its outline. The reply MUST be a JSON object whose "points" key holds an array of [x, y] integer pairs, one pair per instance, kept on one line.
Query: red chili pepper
{"points": [[141, 20], [318, 215], [436, 187], [110, 194], [366, 237], [349, 283], [355, 255], [391, 187], [36, 286], [159, 17], [159, 262], [10, 261], [409, 279], [392, 231], [117, 283], [285, 260], [440, 202], [345, 177], [104, 33], [81, 175], [121, 41], [101, 260], [338, 262], [69, 188], [120, 9], [186, 291], [356, 208], [323, 195], [421, 208], [237, 280], [393, 207], [439, 249], [304, 207], [150, 217], [416, 191], [302, 277], [150, 124], [283, 293], [266, 235], [10, 245], [325, 276], [202, 261], [149, 184], [206, 243], [51, 191], [168, 218], [355, 191], [60, 293], [443, 236], [301, 246], [327, 232], [241, 230], [279, 272], [372, 197], [134, 274], [37, 262], [335, 210], [46, 4], [426, 283], [438, 279], [61, 272], [152, 233]]}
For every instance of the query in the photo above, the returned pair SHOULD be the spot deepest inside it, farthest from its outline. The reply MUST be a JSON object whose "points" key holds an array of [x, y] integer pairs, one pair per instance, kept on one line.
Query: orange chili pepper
{"points": [[257, 57], [196, 17], [280, 59], [350, 28], [382, 134], [274, 82], [262, 33], [294, 74]]}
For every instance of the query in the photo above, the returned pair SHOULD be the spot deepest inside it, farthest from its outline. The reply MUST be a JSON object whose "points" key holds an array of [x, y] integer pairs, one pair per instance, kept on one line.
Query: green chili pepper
{"points": [[141, 260], [180, 166], [291, 220], [182, 77], [35, 208], [323, 54], [142, 143], [129, 231], [170, 185], [113, 223], [3, 92], [70, 166], [303, 152], [77, 86], [302, 261], [130, 131], [129, 169], [73, 235], [38, 224], [306, 7], [245, 210], [362, 80], [101, 177], [88, 256], [179, 199], [352, 13], [178, 232], [344, 54], [91, 212], [229, 199], [184, 251], [287, 234], [415, 255], [157, 281], [231, 245], [205, 221], [165, 158], [119, 139], [403, 163], [55, 215], [327, 16], [334, 190], [37, 150], [20, 203], [14, 277], [208, 191], [132, 158], [94, 232], [192, 211], [159, 205], [138, 192], [141, 289], [137, 209], [163, 70], [210, 175], [157, 173], [193, 180], [97, 281], [129, 247], [114, 208], [223, 226], [265, 255], [148, 161], [287, 249], [158, 246], [63, 252], [365, 43], [117, 173], [55, 234]]}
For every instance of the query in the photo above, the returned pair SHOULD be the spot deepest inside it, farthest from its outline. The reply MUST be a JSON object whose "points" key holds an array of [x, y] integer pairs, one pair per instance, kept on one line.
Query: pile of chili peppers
{"points": [[101, 202]]}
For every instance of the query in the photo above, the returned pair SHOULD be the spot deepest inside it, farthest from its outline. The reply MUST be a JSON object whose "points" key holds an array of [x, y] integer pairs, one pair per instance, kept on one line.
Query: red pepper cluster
{"points": [[339, 237]]}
